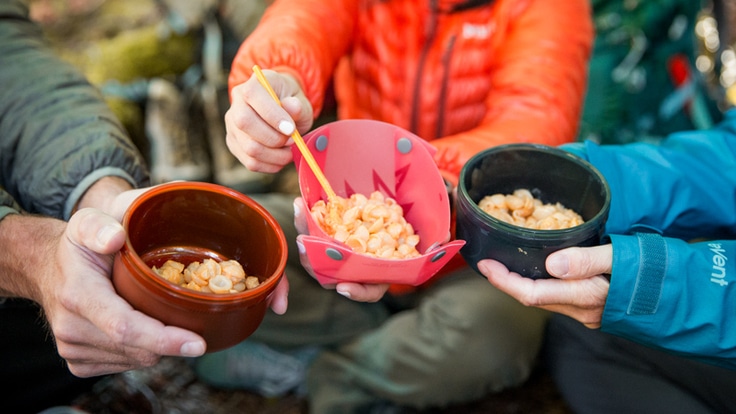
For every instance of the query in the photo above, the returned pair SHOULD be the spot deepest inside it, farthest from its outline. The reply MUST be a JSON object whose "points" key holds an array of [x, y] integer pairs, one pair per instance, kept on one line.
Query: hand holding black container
{"points": [[553, 176]]}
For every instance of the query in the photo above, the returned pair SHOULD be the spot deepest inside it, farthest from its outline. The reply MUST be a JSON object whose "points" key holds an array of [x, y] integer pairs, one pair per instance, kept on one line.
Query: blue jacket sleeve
{"points": [[684, 188], [674, 295], [668, 291]]}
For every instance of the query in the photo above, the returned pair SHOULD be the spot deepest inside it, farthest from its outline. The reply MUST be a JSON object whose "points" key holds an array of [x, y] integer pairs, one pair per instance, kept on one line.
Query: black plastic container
{"points": [[552, 175]]}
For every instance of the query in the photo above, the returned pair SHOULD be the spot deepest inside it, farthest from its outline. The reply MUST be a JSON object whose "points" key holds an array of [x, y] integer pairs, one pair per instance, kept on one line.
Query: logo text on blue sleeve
{"points": [[719, 264]]}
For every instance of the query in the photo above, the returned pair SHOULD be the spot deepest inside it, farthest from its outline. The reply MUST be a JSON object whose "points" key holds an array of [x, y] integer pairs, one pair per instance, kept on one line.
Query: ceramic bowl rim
{"points": [[268, 284]]}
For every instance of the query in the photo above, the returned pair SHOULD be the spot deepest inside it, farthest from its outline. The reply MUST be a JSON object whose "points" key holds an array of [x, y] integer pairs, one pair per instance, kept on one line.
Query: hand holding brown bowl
{"points": [[193, 221]]}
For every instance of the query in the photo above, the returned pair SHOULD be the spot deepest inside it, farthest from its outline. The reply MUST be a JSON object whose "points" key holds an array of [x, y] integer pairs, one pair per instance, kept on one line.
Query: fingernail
{"points": [[300, 247], [297, 210], [286, 127], [192, 349], [344, 293], [558, 264], [106, 233]]}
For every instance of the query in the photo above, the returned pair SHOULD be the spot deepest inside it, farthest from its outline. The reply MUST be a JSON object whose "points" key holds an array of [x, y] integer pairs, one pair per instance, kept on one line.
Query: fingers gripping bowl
{"points": [[191, 221], [361, 157], [552, 176]]}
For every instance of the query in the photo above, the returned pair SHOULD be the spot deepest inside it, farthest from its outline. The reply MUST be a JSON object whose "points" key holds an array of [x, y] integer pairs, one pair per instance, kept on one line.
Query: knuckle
{"points": [[237, 118], [147, 359], [530, 300], [117, 331], [252, 164]]}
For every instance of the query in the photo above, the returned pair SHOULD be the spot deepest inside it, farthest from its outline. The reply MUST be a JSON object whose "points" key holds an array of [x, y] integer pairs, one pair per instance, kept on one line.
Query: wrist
{"points": [[101, 195], [29, 245]]}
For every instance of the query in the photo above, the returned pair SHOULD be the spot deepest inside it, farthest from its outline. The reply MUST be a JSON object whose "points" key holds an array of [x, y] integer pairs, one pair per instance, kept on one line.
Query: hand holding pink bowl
{"points": [[363, 156]]}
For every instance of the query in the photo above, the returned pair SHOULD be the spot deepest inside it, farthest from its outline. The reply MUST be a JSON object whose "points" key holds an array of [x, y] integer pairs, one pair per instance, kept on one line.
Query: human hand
{"points": [[579, 288], [259, 129], [278, 301], [96, 331], [359, 292], [112, 195]]}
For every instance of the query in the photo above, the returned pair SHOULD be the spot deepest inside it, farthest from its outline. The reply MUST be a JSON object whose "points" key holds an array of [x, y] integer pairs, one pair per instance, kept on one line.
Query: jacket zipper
{"points": [[443, 88], [431, 32]]}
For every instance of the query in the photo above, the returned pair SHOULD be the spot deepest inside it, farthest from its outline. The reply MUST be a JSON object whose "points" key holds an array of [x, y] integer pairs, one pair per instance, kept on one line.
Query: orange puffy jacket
{"points": [[464, 74]]}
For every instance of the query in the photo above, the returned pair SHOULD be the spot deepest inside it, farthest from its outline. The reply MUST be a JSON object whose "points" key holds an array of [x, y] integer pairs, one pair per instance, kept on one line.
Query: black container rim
{"points": [[512, 229]]}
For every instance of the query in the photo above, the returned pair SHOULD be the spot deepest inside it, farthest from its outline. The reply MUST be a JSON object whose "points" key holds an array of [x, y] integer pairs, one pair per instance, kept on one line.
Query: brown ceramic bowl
{"points": [[188, 221]]}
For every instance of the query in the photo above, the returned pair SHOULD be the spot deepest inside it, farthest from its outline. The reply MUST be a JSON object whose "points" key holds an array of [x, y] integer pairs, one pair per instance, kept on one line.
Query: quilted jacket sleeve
{"points": [[539, 88], [57, 135], [312, 57]]}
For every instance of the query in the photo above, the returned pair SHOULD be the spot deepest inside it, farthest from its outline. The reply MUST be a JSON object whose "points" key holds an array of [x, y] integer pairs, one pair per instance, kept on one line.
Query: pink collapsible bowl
{"points": [[363, 156], [188, 221]]}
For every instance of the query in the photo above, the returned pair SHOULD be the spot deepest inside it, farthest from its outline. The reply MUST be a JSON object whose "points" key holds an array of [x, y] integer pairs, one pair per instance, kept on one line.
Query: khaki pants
{"points": [[453, 342]]}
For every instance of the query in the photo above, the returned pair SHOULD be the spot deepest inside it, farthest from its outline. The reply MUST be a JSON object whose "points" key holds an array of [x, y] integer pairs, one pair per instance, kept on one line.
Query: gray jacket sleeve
{"points": [[57, 135]]}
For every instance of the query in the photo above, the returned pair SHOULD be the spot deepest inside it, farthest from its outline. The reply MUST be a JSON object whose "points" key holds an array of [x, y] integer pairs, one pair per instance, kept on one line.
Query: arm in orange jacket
{"points": [[298, 58], [537, 91], [291, 38]]}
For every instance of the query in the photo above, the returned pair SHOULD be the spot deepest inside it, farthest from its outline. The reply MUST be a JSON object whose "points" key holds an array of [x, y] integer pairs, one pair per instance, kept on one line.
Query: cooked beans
{"points": [[372, 225], [522, 209], [208, 276]]}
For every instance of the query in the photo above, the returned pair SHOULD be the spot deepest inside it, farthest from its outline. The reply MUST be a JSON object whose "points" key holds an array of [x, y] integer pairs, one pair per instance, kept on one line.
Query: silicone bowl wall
{"points": [[362, 156]]}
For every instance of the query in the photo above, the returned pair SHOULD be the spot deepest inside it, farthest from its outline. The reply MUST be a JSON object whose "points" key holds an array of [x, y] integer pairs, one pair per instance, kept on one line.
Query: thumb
{"points": [[300, 218], [580, 262], [92, 229]]}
